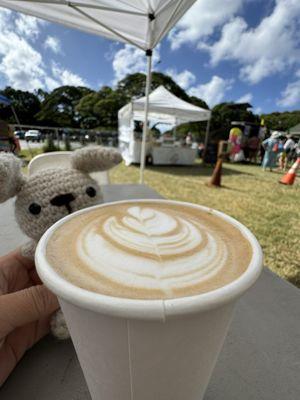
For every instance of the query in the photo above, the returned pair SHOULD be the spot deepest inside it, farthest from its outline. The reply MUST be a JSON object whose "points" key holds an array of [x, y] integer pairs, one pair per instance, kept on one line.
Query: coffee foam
{"points": [[148, 250]]}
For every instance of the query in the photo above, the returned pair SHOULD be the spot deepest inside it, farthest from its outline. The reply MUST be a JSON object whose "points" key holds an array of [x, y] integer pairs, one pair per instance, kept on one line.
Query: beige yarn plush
{"points": [[45, 197]]}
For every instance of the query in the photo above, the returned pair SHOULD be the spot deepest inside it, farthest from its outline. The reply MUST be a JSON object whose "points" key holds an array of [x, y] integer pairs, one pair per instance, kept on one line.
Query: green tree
{"points": [[282, 121], [134, 85], [26, 105], [86, 106], [223, 114], [59, 107], [197, 129], [198, 102], [89, 122], [107, 109], [41, 94]]}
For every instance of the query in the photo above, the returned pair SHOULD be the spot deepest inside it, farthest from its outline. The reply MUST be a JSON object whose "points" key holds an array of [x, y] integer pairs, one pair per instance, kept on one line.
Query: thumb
{"points": [[25, 306]]}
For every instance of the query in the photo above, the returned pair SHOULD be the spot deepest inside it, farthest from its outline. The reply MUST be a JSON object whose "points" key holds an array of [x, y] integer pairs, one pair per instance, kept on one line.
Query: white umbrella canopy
{"points": [[142, 23]]}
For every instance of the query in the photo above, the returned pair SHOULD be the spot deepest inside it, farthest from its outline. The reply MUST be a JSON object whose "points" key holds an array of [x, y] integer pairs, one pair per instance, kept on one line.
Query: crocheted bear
{"points": [[50, 194]]}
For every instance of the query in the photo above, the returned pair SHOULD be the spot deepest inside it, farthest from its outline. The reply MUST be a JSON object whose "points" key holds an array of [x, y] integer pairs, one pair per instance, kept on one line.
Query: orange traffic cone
{"points": [[290, 177], [217, 174]]}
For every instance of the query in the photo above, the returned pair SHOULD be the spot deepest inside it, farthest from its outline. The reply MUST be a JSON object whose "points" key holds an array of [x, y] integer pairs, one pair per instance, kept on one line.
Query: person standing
{"points": [[7, 138], [189, 139], [253, 146], [288, 149], [271, 147]]}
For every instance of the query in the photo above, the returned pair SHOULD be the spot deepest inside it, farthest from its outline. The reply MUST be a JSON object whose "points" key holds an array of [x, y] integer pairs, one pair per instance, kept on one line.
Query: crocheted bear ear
{"points": [[11, 178], [92, 159]]}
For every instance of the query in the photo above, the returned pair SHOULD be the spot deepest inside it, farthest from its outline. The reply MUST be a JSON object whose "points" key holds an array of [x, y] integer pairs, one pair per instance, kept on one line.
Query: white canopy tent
{"points": [[142, 23], [163, 106]]}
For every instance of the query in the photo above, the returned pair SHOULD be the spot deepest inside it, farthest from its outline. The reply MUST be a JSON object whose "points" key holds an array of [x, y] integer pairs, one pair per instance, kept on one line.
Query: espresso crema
{"points": [[148, 250]]}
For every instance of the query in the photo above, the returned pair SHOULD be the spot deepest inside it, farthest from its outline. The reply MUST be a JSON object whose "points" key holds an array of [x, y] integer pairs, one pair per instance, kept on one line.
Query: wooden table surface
{"points": [[260, 359]]}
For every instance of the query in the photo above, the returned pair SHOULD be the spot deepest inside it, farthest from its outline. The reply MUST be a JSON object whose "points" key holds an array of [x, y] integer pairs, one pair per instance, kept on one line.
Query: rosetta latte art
{"points": [[147, 248]]}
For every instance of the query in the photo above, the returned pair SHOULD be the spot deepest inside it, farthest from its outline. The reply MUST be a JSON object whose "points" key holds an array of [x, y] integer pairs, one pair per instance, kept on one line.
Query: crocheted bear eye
{"points": [[34, 208], [90, 191]]}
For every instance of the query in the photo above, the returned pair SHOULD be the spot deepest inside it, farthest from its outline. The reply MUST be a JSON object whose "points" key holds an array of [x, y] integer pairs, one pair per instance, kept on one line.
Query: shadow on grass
{"points": [[193, 170], [295, 280], [219, 188]]}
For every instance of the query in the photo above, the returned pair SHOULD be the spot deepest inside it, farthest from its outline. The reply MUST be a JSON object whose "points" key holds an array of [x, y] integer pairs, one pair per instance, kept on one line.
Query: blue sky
{"points": [[221, 50]]}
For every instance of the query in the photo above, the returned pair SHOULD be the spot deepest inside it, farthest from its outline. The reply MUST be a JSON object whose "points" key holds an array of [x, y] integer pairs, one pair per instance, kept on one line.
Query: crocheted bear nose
{"points": [[63, 200]]}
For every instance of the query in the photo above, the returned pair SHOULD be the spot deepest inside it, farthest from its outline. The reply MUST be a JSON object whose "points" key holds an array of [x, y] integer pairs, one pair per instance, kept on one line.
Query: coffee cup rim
{"points": [[160, 309]]}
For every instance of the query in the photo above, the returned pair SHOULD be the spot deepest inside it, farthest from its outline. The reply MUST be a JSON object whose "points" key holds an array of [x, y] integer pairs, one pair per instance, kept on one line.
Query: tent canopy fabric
{"points": [[142, 23], [295, 130], [165, 107]]}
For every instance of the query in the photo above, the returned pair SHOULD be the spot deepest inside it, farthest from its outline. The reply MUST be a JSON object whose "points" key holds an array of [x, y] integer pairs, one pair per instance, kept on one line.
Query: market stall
{"points": [[164, 107]]}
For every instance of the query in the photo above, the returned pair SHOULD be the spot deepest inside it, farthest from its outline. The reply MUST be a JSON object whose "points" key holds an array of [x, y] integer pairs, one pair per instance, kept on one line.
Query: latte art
{"points": [[148, 250], [175, 252]]}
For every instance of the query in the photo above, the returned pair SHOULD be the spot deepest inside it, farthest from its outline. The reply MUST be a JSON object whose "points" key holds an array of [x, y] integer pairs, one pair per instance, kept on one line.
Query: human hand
{"points": [[25, 309]]}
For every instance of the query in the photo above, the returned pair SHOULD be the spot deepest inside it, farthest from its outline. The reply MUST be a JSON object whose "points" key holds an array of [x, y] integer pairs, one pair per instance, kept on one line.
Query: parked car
{"points": [[33, 135], [20, 134]]}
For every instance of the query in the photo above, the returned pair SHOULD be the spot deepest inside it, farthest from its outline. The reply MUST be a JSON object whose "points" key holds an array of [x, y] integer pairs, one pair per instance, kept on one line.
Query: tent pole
{"points": [[206, 139], [145, 127], [175, 129], [15, 115]]}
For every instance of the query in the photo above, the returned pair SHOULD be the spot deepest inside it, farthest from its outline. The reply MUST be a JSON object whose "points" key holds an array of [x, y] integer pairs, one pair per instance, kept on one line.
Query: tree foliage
{"points": [[198, 102], [282, 121], [26, 105], [59, 107], [107, 109], [85, 106], [223, 114], [134, 85], [101, 108]]}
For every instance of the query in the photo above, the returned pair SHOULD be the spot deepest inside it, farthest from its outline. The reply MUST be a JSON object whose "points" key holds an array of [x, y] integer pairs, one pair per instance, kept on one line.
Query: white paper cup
{"points": [[148, 349]]}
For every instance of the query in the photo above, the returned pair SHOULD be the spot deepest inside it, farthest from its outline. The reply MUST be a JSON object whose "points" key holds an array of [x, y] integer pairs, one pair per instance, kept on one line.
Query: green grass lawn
{"points": [[255, 198]]}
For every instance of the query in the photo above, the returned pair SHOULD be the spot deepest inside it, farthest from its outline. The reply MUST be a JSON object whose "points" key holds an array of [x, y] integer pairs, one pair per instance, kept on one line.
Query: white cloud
{"points": [[53, 43], [271, 47], [130, 60], [291, 95], [212, 92], [4, 15], [51, 83], [66, 77], [184, 79], [257, 111], [21, 65], [28, 26], [202, 19], [247, 98], [4, 18]]}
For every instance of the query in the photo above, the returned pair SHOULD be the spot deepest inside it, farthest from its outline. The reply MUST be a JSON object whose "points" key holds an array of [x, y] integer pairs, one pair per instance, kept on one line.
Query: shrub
{"points": [[50, 145]]}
